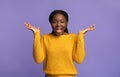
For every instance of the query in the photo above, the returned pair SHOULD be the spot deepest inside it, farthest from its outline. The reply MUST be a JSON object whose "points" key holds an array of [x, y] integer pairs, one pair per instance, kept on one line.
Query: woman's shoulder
{"points": [[46, 35], [72, 34]]}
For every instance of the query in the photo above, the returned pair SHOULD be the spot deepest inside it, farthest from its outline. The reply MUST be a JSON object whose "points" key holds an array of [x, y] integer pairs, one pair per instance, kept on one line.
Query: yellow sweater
{"points": [[59, 52]]}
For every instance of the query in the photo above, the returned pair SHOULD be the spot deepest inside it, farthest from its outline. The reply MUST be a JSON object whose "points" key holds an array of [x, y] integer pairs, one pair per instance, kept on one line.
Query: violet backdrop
{"points": [[102, 45]]}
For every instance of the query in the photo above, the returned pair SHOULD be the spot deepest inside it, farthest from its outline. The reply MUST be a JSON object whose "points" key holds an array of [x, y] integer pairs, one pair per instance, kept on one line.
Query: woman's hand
{"points": [[32, 28], [89, 28]]}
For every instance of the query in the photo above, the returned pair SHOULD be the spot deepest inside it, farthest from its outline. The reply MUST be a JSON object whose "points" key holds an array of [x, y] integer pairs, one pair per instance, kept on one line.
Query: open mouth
{"points": [[58, 29]]}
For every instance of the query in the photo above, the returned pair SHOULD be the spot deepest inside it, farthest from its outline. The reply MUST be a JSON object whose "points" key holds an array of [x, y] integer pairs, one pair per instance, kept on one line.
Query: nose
{"points": [[58, 24]]}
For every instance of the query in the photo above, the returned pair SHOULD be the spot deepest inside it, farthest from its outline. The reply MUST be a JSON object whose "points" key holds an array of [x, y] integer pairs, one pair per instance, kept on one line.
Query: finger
{"points": [[28, 26], [93, 24], [38, 28], [92, 27], [25, 23]]}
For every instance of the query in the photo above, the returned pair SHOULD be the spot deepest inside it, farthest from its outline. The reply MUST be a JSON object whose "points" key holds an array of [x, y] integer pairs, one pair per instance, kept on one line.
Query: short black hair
{"points": [[64, 13]]}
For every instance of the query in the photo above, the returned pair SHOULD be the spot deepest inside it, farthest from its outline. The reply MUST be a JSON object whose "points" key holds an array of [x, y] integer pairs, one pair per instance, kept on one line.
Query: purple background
{"points": [[102, 45]]}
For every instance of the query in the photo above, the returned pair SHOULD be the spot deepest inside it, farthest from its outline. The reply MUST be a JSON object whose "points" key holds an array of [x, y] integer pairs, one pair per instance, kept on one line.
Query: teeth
{"points": [[58, 28]]}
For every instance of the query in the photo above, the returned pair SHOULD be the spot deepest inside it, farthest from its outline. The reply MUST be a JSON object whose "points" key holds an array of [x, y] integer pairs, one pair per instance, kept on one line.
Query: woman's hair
{"points": [[59, 12]]}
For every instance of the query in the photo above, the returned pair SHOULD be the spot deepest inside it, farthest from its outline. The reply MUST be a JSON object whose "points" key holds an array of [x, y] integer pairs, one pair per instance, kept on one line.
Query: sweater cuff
{"points": [[36, 34], [80, 33]]}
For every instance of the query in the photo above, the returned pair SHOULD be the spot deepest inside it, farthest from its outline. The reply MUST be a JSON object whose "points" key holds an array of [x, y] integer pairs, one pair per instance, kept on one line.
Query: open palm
{"points": [[32, 28], [89, 28]]}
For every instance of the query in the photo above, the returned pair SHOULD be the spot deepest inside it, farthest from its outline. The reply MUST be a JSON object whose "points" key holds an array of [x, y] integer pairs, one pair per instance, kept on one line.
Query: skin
{"points": [[58, 24]]}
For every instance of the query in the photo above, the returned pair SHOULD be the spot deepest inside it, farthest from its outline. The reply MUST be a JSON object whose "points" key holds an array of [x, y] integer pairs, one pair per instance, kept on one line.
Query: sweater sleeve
{"points": [[38, 48], [78, 50]]}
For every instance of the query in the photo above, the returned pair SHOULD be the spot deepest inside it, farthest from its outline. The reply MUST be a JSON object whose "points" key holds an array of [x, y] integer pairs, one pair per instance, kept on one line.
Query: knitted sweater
{"points": [[58, 52]]}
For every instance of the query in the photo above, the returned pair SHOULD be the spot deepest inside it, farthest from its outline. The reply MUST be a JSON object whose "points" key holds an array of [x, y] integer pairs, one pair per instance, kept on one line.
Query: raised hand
{"points": [[32, 28], [89, 28]]}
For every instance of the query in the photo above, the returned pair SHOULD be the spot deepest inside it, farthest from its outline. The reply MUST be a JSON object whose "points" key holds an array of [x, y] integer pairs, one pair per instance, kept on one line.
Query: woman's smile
{"points": [[59, 24]]}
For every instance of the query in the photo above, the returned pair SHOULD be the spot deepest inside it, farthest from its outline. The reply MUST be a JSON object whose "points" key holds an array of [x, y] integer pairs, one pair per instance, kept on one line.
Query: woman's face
{"points": [[59, 24]]}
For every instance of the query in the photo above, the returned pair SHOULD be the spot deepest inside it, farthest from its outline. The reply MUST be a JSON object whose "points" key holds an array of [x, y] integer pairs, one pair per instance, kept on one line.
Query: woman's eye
{"points": [[62, 21], [53, 22]]}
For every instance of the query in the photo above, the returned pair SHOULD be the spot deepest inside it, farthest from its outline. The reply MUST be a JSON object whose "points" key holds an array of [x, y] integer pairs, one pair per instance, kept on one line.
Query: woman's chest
{"points": [[59, 45]]}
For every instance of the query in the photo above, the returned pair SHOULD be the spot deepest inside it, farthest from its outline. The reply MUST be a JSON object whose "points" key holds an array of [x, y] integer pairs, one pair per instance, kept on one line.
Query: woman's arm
{"points": [[38, 48], [79, 52]]}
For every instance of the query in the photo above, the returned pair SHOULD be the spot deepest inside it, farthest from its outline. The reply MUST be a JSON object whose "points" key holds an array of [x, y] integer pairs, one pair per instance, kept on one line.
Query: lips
{"points": [[58, 29]]}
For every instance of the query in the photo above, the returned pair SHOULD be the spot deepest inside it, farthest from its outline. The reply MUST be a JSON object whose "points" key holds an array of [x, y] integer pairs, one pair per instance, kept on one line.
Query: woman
{"points": [[58, 49]]}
